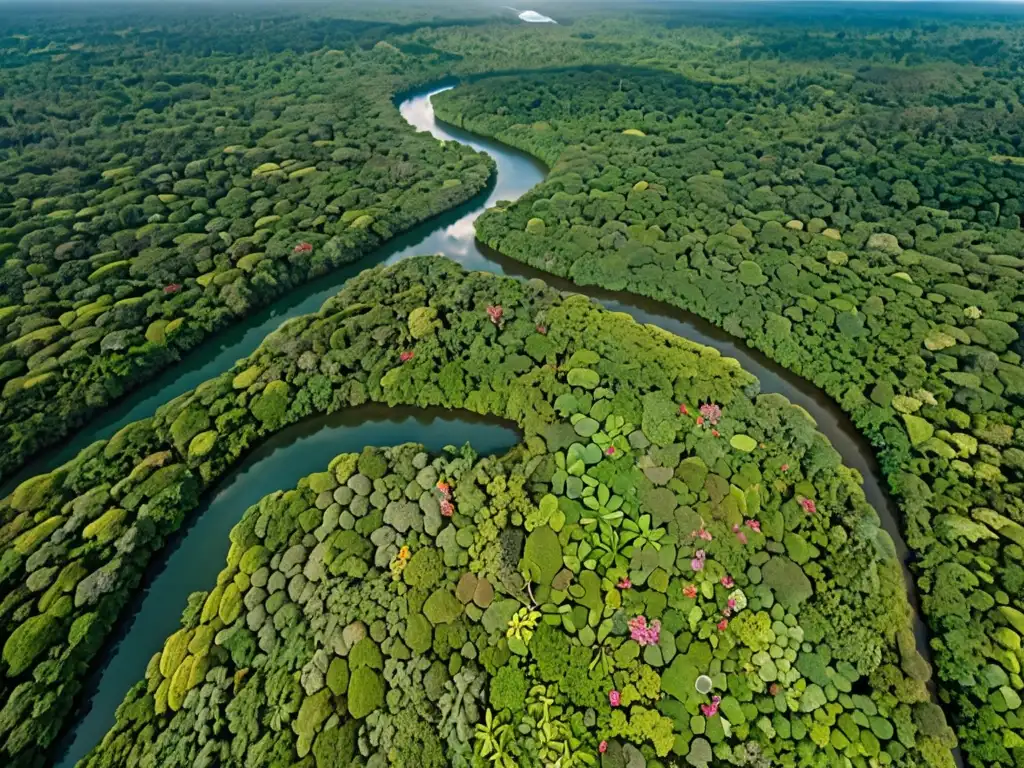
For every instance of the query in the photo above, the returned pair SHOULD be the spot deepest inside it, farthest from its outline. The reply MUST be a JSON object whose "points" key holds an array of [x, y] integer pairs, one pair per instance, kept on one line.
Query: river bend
{"points": [[196, 553]]}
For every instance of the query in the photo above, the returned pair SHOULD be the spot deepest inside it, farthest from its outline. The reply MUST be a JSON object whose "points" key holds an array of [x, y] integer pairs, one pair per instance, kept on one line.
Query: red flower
{"points": [[715, 433], [754, 525], [303, 248], [614, 698], [625, 584], [172, 288], [722, 625], [610, 450], [542, 330], [406, 356], [494, 311], [809, 506], [690, 591], [602, 747], [683, 409], [700, 421], [785, 467]]}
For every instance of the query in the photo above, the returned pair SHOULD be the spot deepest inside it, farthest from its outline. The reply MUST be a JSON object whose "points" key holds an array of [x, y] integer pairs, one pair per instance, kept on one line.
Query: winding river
{"points": [[196, 553]]}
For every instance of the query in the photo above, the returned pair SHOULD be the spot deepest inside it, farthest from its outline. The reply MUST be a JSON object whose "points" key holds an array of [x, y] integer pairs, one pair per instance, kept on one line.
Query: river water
{"points": [[196, 553]]}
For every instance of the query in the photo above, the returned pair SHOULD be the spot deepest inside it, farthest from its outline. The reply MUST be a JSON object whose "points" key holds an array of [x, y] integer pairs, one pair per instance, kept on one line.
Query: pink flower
{"points": [[710, 710], [495, 311], [542, 330], [722, 625], [784, 467], [731, 603], [625, 583], [610, 450], [644, 633], [716, 433], [602, 747], [700, 421], [683, 409], [697, 563], [711, 412], [172, 288], [614, 698], [302, 248], [727, 582], [809, 506], [754, 525], [701, 533], [690, 590], [741, 537], [447, 508], [727, 612], [406, 356]]}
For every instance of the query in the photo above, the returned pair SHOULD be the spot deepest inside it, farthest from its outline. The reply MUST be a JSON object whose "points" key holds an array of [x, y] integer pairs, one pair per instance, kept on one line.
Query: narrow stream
{"points": [[196, 553]]}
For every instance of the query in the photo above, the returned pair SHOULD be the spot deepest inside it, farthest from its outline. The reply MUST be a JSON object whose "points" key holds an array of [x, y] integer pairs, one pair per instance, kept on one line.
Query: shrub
{"points": [[508, 688], [32, 637], [418, 633], [424, 569], [271, 405], [788, 581], [365, 692], [442, 607], [422, 322], [337, 676], [365, 653]]}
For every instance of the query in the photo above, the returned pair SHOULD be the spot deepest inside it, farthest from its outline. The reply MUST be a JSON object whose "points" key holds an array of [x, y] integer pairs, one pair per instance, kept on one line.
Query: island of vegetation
{"points": [[670, 566]]}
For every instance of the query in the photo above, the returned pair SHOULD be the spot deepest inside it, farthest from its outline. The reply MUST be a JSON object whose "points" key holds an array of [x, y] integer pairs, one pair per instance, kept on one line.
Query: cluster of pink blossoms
{"points": [[447, 508], [809, 506], [614, 698], [711, 413], [495, 311], [172, 288], [625, 583], [644, 633], [406, 356], [690, 591], [710, 710], [303, 248], [697, 563], [701, 533], [753, 525]]}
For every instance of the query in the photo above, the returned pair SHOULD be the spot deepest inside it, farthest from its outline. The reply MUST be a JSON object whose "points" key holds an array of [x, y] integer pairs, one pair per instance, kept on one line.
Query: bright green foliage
{"points": [[25, 643], [365, 692], [315, 575]]}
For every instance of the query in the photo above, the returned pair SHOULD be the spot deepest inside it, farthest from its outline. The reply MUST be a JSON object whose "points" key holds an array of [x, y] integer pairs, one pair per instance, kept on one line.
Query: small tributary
{"points": [[196, 553]]}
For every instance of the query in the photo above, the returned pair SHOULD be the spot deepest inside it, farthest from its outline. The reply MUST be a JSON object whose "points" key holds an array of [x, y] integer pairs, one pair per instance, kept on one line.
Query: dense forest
{"points": [[875, 251], [660, 521], [671, 568]]}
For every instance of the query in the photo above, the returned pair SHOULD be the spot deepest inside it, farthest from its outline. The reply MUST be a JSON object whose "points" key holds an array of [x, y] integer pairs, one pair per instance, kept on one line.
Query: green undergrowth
{"points": [[653, 481]]}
